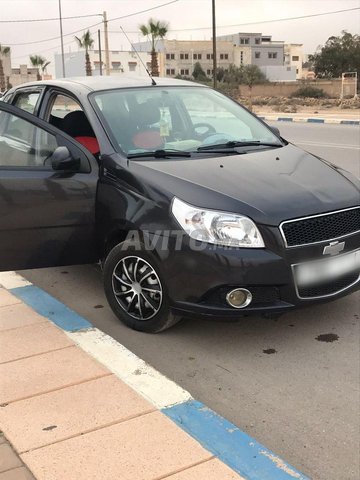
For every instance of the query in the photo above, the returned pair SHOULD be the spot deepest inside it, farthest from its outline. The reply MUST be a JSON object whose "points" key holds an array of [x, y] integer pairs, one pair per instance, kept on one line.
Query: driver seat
{"points": [[78, 126]]}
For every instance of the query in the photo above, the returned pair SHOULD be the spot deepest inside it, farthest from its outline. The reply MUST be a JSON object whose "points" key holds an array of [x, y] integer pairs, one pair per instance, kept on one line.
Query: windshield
{"points": [[176, 118]]}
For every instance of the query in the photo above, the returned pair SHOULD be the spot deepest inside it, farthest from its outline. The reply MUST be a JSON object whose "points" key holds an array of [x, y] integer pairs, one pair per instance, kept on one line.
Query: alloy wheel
{"points": [[137, 287]]}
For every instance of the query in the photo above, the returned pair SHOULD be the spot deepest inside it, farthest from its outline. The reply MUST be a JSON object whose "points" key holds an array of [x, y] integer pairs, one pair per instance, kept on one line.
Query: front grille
{"points": [[321, 228], [328, 288], [261, 296]]}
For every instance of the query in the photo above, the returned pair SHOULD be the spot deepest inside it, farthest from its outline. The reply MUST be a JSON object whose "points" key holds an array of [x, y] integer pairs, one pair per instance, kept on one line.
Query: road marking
{"points": [[12, 280], [143, 378]]}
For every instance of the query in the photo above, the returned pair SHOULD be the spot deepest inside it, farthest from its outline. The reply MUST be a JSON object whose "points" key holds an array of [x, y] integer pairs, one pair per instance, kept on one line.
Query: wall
{"points": [[285, 89], [23, 74], [279, 73]]}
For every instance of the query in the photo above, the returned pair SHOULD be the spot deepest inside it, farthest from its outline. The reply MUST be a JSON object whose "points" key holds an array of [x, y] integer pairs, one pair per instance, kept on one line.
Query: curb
{"points": [[228, 443], [336, 121]]}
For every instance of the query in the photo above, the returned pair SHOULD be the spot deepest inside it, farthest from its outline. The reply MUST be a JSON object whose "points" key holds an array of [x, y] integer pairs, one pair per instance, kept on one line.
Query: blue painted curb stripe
{"points": [[350, 122], [49, 307], [285, 119], [235, 448], [315, 120]]}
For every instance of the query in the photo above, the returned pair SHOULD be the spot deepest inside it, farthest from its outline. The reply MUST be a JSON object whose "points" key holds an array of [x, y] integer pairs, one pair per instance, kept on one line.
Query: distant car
{"points": [[193, 205]]}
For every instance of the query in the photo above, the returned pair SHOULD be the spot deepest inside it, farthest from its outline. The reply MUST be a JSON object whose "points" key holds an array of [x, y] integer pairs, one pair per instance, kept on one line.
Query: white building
{"points": [[121, 62], [294, 57]]}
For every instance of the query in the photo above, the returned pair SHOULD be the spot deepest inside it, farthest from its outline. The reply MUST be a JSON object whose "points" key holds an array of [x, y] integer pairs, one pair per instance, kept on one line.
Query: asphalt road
{"points": [[301, 401]]}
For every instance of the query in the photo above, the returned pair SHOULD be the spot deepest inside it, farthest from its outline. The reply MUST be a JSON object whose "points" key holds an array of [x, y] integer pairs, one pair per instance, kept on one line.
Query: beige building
{"points": [[178, 57], [23, 74], [294, 57]]}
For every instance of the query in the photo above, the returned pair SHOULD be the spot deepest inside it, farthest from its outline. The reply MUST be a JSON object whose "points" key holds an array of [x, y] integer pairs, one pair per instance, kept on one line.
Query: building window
{"points": [[184, 56], [132, 66], [170, 71], [257, 41], [170, 56], [257, 54], [209, 56], [115, 52], [209, 72], [241, 57], [244, 41], [295, 58], [197, 56], [297, 71], [115, 65], [184, 71], [224, 56], [272, 54]]}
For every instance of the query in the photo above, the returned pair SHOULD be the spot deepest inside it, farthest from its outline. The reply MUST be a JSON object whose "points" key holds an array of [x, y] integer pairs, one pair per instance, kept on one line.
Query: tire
{"points": [[143, 304]]}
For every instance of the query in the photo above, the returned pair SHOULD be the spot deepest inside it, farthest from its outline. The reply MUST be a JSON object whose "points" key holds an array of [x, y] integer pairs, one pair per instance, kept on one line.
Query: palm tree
{"points": [[86, 41], [38, 62], [3, 51], [44, 67], [154, 30]]}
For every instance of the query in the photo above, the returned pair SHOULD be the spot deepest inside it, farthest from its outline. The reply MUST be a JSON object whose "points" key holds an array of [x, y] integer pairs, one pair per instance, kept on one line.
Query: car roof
{"points": [[97, 83]]}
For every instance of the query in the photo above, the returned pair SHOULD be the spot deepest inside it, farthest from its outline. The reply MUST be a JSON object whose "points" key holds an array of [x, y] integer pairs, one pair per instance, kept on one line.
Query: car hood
{"points": [[269, 186]]}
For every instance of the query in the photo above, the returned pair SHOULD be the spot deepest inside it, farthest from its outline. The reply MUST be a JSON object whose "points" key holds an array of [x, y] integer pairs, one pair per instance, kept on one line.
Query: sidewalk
{"points": [[68, 417], [75, 404], [308, 117]]}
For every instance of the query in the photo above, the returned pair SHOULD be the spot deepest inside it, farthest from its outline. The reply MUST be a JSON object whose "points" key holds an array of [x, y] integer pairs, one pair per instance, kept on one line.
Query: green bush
{"points": [[310, 92]]}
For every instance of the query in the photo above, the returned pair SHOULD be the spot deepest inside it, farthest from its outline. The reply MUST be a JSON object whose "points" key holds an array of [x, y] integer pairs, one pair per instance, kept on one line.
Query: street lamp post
{"points": [[214, 43], [62, 41]]}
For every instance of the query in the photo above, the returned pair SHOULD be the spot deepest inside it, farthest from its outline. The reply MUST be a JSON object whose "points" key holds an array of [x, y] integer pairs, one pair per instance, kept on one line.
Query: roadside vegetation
{"points": [[154, 30]]}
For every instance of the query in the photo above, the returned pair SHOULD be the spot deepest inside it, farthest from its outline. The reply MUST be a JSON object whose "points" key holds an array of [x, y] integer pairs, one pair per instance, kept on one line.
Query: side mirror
{"points": [[62, 159], [275, 130]]}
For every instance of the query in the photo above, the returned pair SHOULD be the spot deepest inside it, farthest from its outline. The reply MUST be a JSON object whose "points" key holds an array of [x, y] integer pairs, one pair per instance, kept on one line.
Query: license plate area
{"points": [[315, 272]]}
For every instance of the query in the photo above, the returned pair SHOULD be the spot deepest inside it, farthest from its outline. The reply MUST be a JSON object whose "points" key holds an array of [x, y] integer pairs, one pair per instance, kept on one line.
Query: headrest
{"points": [[147, 113], [76, 124]]}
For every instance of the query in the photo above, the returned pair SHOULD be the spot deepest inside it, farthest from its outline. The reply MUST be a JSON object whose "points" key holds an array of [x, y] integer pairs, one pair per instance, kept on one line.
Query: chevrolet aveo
{"points": [[192, 205]]}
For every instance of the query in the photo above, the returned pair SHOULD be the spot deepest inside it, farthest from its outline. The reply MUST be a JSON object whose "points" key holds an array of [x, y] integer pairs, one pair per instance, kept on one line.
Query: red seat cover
{"points": [[90, 143]]}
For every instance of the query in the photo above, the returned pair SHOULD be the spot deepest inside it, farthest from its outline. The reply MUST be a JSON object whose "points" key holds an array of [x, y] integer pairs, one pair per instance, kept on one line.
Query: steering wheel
{"points": [[208, 130]]}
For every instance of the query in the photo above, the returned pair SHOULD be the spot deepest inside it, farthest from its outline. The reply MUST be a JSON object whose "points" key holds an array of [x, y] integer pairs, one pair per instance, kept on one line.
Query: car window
{"points": [[22, 144], [62, 105], [27, 101], [180, 118]]}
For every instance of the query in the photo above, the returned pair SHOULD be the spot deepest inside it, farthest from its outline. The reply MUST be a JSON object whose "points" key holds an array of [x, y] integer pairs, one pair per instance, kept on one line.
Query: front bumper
{"points": [[198, 280]]}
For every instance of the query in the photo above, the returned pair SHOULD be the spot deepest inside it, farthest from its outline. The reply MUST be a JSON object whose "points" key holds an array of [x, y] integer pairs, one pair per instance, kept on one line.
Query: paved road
{"points": [[301, 401]]}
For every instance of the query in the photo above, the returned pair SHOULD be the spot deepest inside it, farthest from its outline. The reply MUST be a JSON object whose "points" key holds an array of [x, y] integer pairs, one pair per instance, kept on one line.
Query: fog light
{"points": [[239, 298]]}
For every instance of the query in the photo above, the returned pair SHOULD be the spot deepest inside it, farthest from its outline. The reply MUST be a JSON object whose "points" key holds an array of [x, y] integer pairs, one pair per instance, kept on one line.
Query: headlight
{"points": [[217, 227]]}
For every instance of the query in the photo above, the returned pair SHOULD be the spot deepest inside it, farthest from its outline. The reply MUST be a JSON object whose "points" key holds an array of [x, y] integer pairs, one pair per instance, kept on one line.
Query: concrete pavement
{"points": [[75, 404], [60, 424]]}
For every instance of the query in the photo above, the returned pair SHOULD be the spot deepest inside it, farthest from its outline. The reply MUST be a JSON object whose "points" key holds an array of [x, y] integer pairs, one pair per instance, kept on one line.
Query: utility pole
{"points": [[100, 53], [214, 43], [106, 34], [62, 41]]}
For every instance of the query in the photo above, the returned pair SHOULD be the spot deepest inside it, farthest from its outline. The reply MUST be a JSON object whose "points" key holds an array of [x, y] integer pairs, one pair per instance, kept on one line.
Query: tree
{"points": [[154, 30], [3, 51], [38, 62], [86, 42], [44, 67], [198, 73], [252, 75], [338, 55]]}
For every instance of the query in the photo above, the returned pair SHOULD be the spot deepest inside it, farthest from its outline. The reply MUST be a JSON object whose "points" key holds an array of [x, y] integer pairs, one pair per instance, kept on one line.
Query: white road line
{"points": [[11, 280], [151, 384]]}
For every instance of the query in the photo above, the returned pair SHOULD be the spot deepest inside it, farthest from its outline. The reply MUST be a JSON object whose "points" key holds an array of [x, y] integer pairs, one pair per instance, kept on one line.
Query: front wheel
{"points": [[135, 290]]}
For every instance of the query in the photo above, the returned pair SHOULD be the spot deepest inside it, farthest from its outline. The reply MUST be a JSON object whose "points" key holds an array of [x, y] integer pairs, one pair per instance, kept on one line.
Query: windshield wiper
{"points": [[232, 144], [160, 154]]}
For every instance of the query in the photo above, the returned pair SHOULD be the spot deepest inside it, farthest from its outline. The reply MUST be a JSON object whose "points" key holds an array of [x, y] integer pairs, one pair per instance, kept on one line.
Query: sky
{"points": [[188, 19]]}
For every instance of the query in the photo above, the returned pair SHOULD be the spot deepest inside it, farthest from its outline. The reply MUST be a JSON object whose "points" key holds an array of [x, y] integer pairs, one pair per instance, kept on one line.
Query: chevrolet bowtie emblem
{"points": [[334, 248]]}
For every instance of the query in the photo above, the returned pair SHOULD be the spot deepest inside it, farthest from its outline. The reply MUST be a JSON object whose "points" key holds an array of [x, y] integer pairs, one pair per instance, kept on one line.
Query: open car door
{"points": [[48, 187]]}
